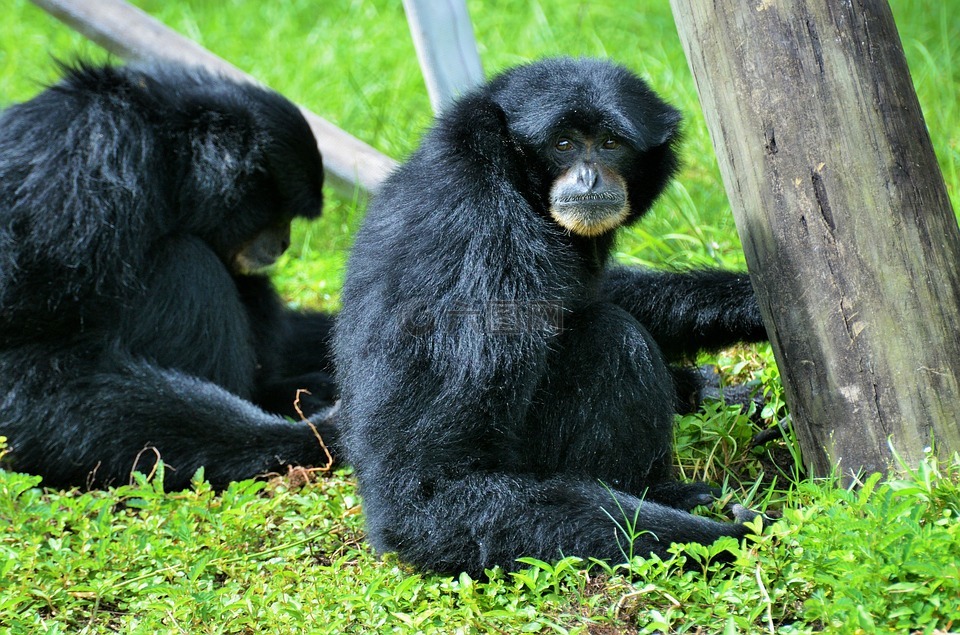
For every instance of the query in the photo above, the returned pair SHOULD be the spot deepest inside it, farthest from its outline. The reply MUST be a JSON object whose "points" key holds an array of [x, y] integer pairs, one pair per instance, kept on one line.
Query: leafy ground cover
{"points": [[288, 555]]}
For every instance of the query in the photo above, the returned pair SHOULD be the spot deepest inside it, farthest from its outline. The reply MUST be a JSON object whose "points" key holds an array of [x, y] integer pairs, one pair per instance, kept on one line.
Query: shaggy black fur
{"points": [[505, 392], [131, 199]]}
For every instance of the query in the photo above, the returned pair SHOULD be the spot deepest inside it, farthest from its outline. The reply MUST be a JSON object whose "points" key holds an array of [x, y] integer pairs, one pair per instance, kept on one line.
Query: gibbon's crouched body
{"points": [[136, 204], [505, 391]]}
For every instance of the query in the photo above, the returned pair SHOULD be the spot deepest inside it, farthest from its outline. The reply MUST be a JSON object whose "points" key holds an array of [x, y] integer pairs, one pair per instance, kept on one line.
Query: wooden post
{"points": [[349, 164], [446, 48], [844, 217]]}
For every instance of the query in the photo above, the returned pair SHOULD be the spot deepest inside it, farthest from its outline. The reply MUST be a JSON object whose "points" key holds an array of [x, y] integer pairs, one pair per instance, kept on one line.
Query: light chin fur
{"points": [[247, 264], [581, 223]]}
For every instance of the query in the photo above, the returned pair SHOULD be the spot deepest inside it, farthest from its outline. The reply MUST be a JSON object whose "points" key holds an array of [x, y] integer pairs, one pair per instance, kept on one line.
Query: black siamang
{"points": [[136, 205], [505, 391]]}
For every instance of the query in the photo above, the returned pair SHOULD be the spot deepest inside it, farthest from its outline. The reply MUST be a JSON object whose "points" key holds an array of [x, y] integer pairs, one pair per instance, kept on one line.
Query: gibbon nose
{"points": [[588, 175]]}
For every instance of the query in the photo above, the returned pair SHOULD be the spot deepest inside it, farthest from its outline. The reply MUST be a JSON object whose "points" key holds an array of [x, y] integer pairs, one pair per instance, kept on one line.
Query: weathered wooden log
{"points": [[844, 217]]}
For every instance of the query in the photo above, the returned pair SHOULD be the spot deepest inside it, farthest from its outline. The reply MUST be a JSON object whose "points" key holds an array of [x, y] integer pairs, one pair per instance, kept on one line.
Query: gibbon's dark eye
{"points": [[563, 144], [611, 144]]}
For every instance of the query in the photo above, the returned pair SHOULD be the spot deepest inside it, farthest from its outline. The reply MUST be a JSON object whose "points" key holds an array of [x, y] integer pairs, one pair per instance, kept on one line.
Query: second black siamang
{"points": [[506, 392], [137, 205]]}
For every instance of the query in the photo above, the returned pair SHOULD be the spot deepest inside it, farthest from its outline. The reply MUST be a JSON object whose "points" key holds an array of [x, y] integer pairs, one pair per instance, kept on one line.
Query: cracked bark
{"points": [[851, 242]]}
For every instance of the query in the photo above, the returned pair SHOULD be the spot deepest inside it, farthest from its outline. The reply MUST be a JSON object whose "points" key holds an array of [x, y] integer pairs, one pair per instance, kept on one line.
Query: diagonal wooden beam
{"points": [[125, 30]]}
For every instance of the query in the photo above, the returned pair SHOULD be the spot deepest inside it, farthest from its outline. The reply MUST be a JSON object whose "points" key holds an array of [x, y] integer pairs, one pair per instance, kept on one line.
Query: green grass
{"points": [[281, 557]]}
